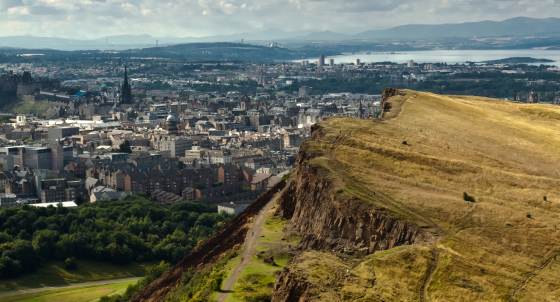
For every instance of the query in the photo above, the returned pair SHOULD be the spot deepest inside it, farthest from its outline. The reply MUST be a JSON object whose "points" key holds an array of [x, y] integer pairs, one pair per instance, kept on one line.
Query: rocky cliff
{"points": [[328, 220]]}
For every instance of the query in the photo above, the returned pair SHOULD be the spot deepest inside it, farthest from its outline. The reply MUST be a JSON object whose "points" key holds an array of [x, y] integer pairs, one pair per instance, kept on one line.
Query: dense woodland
{"points": [[134, 229]]}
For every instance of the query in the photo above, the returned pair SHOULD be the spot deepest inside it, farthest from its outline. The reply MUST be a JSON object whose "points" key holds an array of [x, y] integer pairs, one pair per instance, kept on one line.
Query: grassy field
{"points": [[39, 108], [257, 278], [55, 274], [502, 247], [70, 294]]}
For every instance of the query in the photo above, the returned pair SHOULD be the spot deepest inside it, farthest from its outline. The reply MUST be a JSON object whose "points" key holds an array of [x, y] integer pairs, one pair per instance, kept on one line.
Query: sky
{"points": [[88, 19]]}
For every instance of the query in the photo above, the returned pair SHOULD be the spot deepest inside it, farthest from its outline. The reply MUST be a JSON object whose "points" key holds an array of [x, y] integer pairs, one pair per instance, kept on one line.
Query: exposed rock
{"points": [[327, 220]]}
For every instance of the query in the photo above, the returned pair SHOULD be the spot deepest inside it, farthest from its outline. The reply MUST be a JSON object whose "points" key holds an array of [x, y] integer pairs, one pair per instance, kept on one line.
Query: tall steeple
{"points": [[126, 91], [361, 110], [125, 75]]}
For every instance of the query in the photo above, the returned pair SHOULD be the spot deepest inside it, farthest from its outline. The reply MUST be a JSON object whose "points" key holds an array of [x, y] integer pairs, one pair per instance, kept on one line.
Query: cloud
{"points": [[95, 18], [7, 4], [45, 10]]}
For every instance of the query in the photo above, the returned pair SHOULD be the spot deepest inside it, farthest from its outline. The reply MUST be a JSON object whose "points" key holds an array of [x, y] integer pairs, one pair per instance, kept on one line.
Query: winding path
{"points": [[247, 248]]}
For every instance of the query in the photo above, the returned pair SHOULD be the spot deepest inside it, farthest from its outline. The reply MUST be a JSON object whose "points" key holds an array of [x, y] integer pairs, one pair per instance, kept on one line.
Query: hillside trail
{"points": [[248, 249], [433, 268]]}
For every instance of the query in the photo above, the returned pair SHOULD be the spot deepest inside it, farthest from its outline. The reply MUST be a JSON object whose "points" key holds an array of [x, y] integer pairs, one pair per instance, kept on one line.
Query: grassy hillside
{"points": [[419, 163]]}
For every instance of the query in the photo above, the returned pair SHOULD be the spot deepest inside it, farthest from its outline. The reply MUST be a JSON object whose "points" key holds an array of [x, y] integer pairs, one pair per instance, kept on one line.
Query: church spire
{"points": [[126, 94], [125, 75]]}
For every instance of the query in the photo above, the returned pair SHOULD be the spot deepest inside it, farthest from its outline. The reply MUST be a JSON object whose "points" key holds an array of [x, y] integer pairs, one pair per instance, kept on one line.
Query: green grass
{"points": [[24, 107], [55, 274], [71, 294], [258, 277]]}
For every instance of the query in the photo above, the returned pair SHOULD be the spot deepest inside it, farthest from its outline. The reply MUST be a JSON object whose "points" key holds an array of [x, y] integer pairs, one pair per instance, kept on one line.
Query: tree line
{"points": [[121, 232]]}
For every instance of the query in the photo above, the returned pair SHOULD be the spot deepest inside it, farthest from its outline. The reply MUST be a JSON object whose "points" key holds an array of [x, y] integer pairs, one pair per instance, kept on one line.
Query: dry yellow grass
{"points": [[507, 155]]}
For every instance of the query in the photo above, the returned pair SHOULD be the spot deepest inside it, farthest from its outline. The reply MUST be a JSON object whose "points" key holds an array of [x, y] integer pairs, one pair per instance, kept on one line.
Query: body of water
{"points": [[445, 56]]}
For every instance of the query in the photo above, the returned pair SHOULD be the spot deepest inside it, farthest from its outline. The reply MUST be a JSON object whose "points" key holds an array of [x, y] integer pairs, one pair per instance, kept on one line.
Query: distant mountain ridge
{"points": [[520, 26]]}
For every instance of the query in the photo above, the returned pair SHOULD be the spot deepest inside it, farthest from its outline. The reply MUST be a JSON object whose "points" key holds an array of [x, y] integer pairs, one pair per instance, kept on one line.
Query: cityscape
{"points": [[413, 161]]}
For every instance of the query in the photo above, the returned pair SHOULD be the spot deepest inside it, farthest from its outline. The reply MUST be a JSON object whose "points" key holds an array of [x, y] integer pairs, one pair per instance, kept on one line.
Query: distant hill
{"points": [[197, 51], [512, 27]]}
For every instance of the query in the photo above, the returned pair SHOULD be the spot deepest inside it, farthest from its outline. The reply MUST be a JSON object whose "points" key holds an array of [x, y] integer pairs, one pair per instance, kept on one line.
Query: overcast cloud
{"points": [[85, 19]]}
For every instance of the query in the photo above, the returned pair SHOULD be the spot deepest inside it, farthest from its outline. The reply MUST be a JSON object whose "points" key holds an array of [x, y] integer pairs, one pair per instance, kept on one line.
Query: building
{"points": [[214, 157], [8, 200], [357, 62], [321, 61], [62, 132], [532, 98], [171, 125], [6, 162], [305, 90], [232, 208], [117, 157], [119, 195], [176, 145], [410, 64], [37, 158], [65, 204], [54, 190], [331, 62], [126, 90], [256, 163]]}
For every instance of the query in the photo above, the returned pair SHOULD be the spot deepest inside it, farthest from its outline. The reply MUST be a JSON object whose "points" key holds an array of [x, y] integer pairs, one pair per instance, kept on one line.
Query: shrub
{"points": [[260, 298], [404, 143], [529, 215], [70, 264], [544, 198], [468, 198], [287, 175]]}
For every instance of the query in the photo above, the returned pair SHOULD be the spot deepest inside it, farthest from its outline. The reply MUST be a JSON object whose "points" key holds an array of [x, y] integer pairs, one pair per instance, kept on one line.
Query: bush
{"points": [[260, 298], [544, 198], [287, 175], [404, 143], [468, 198], [529, 215], [70, 264]]}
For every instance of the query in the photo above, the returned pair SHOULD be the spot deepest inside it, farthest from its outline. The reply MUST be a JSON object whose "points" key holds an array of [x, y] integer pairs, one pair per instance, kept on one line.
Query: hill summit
{"points": [[445, 198]]}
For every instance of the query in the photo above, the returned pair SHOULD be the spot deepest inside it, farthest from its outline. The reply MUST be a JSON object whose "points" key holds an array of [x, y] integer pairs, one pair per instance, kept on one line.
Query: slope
{"points": [[380, 204]]}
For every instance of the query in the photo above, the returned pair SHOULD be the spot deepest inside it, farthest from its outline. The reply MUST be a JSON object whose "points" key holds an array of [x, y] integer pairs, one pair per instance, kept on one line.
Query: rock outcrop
{"points": [[329, 220]]}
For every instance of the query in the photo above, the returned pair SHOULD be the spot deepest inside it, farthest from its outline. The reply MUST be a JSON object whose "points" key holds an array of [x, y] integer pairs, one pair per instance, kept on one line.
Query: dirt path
{"points": [[247, 248], [428, 279], [533, 273], [92, 283]]}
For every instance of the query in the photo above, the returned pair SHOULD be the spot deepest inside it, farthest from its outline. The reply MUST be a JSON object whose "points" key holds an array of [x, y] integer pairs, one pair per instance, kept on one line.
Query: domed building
{"points": [[171, 125]]}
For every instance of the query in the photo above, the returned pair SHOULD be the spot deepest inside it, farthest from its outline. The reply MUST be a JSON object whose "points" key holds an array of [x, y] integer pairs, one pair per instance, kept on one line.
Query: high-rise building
{"points": [[126, 90], [357, 62], [410, 64], [321, 61], [331, 62]]}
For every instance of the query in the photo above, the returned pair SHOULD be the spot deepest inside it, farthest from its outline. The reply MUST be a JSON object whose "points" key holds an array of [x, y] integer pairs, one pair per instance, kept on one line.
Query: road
{"points": [[247, 248], [30, 290]]}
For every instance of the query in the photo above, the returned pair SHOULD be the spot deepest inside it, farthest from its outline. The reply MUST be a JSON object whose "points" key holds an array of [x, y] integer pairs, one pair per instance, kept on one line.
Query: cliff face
{"points": [[329, 220]]}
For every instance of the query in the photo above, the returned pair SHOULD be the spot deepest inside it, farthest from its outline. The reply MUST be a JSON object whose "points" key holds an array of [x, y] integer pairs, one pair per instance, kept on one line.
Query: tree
{"points": [[181, 165], [125, 147], [70, 264], [200, 185]]}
